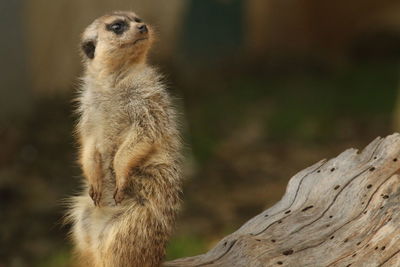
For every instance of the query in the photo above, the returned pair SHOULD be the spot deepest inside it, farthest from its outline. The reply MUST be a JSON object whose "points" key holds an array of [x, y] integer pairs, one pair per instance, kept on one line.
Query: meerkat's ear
{"points": [[89, 47]]}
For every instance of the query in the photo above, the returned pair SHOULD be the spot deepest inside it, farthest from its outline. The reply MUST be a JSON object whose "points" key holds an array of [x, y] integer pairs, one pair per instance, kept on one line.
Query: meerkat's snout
{"points": [[143, 33], [143, 28]]}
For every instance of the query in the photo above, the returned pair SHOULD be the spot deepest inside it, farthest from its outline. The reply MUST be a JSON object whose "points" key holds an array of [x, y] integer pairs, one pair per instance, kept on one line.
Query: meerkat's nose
{"points": [[142, 28]]}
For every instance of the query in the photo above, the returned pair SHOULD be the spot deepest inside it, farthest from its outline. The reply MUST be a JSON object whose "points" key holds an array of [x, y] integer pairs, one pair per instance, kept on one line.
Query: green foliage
{"points": [[60, 258], [185, 245], [306, 106]]}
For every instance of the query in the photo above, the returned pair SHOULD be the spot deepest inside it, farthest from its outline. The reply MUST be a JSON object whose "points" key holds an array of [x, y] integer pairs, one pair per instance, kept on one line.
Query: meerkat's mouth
{"points": [[134, 42], [138, 40]]}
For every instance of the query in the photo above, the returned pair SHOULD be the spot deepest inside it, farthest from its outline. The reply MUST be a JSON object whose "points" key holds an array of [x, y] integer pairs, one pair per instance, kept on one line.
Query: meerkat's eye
{"points": [[138, 20], [118, 27]]}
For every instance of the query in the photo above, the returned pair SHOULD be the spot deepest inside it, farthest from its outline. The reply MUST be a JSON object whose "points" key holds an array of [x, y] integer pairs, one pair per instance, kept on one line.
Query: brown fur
{"points": [[130, 152]]}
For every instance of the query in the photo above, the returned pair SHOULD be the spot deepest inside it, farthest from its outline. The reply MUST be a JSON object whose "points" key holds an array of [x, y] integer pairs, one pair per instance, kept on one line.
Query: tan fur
{"points": [[130, 153]]}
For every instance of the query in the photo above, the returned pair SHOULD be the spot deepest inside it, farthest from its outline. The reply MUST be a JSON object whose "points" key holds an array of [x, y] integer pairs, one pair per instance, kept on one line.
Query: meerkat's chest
{"points": [[105, 116]]}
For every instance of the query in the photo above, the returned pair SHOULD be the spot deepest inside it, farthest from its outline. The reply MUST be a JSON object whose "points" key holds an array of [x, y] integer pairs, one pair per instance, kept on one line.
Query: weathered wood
{"points": [[341, 212]]}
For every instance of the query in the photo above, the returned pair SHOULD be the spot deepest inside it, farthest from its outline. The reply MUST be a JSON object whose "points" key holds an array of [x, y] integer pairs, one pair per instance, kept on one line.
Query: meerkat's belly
{"points": [[105, 131]]}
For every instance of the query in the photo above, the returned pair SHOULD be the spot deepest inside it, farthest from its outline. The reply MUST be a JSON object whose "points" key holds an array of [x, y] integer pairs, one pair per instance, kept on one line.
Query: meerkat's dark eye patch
{"points": [[88, 48], [118, 26]]}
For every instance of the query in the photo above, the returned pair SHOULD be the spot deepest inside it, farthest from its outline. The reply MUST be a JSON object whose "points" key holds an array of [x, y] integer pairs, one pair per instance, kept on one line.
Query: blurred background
{"points": [[267, 88]]}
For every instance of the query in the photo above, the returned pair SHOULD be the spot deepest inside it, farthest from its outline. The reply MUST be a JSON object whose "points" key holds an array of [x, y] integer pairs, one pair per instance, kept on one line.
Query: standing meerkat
{"points": [[129, 149]]}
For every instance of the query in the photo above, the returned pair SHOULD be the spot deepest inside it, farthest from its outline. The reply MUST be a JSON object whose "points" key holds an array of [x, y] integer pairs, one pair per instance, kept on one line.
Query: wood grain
{"points": [[340, 212]]}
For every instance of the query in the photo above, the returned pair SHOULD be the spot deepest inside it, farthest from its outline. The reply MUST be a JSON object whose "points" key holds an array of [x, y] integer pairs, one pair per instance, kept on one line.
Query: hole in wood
{"points": [[333, 169], [348, 265], [332, 237], [346, 240], [367, 245], [369, 186], [358, 243], [336, 187], [287, 212], [266, 215], [355, 254], [383, 248], [280, 221], [259, 240], [307, 208], [318, 171], [279, 263], [375, 157], [372, 169], [225, 243], [273, 240], [376, 248], [362, 203], [385, 197], [288, 252], [395, 159], [331, 216], [365, 212]]}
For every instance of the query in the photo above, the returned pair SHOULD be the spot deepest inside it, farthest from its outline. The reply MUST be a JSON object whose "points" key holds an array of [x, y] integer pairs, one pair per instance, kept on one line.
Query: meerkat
{"points": [[129, 149]]}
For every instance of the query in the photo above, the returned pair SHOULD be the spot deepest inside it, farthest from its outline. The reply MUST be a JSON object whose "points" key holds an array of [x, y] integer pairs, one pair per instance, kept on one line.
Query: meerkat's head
{"points": [[117, 40]]}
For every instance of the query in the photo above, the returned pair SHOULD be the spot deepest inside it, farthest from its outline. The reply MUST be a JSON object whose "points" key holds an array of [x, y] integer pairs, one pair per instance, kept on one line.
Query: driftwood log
{"points": [[340, 212]]}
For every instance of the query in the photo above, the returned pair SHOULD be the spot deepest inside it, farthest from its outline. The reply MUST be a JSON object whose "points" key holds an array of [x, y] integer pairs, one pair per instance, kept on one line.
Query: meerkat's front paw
{"points": [[119, 194], [95, 194]]}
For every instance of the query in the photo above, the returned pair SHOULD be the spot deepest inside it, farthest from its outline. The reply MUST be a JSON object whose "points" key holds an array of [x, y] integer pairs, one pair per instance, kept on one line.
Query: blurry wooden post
{"points": [[274, 27], [256, 24], [341, 212], [15, 99], [312, 27], [54, 27]]}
